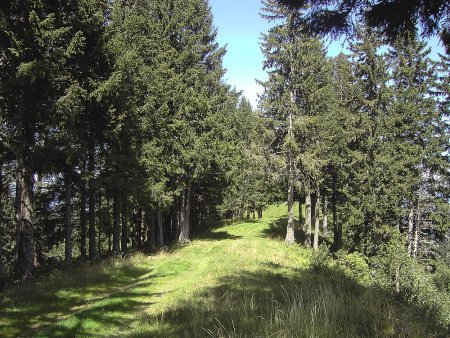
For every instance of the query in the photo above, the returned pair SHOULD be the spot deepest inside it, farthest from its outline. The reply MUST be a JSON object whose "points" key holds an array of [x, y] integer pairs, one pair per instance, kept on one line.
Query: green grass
{"points": [[239, 280]]}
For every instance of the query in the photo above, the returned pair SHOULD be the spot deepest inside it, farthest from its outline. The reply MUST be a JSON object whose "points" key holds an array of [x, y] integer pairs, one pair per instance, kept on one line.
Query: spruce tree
{"points": [[297, 97]]}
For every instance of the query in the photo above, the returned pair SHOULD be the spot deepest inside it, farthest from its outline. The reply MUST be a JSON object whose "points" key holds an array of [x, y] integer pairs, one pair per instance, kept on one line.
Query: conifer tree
{"points": [[36, 41], [297, 96], [367, 206]]}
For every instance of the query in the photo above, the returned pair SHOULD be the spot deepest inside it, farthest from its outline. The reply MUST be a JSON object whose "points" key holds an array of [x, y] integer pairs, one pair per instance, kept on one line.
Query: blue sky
{"points": [[239, 27]]}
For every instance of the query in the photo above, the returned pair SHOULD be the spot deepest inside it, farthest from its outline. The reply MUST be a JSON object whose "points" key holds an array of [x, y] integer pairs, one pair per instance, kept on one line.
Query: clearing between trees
{"points": [[238, 280]]}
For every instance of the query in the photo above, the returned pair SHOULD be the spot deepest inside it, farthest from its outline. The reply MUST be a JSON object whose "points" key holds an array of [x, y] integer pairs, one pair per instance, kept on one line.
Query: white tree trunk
{"points": [[317, 223], [308, 220]]}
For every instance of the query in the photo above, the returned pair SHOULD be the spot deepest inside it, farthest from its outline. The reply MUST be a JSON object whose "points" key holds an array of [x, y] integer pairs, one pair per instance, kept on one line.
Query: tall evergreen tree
{"points": [[297, 95]]}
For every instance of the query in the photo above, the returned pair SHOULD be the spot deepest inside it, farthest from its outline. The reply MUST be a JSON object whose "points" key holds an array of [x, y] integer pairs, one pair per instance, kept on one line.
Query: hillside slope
{"points": [[239, 281]]}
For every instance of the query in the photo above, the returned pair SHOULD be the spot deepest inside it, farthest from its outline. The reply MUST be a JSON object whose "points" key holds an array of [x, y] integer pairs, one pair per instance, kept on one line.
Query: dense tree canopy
{"points": [[392, 18]]}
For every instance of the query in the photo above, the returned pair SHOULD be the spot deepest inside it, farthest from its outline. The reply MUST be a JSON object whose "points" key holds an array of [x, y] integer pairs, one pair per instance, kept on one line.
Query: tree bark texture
{"points": [[317, 222], [184, 226], [91, 201], [83, 222], [68, 218], [140, 227], [116, 226], [290, 234], [160, 229], [417, 230], [188, 210], [25, 256], [308, 219], [99, 228], [301, 220], [1, 228], [124, 225], [152, 234], [337, 228], [410, 231]]}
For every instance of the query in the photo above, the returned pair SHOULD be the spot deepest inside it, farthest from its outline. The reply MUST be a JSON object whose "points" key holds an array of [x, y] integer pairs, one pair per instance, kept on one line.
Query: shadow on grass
{"points": [[308, 303], [277, 230], [116, 311], [26, 309], [216, 236]]}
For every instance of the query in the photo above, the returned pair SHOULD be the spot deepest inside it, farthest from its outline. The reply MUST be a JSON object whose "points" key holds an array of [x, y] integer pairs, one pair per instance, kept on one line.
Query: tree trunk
{"points": [[337, 228], [141, 227], [116, 226], [417, 232], [410, 231], [188, 209], [152, 234], [99, 228], [124, 225], [160, 229], [83, 222], [25, 256], [184, 227], [301, 221], [91, 197], [2, 245], [317, 222], [308, 219], [68, 218], [290, 234], [325, 216]]}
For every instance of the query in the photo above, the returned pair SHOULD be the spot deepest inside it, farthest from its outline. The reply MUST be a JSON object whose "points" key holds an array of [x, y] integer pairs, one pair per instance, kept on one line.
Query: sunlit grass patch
{"points": [[240, 280]]}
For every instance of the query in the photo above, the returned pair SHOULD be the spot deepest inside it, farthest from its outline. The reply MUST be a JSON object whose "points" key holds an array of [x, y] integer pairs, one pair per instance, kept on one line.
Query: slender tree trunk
{"points": [[410, 231], [99, 228], [188, 209], [91, 197], [68, 218], [116, 226], [160, 229], [290, 234], [25, 256], [325, 215], [417, 232], [337, 228], [308, 219], [152, 235], [301, 221], [141, 227], [83, 222], [317, 222], [2, 268], [175, 222], [184, 227], [124, 224]]}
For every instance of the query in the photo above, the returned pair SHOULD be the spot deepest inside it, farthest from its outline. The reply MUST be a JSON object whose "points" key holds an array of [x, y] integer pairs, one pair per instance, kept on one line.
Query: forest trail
{"points": [[239, 280], [142, 288]]}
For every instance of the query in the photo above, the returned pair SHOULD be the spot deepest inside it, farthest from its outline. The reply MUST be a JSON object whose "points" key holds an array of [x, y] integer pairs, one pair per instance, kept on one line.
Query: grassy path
{"points": [[113, 299], [237, 280]]}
